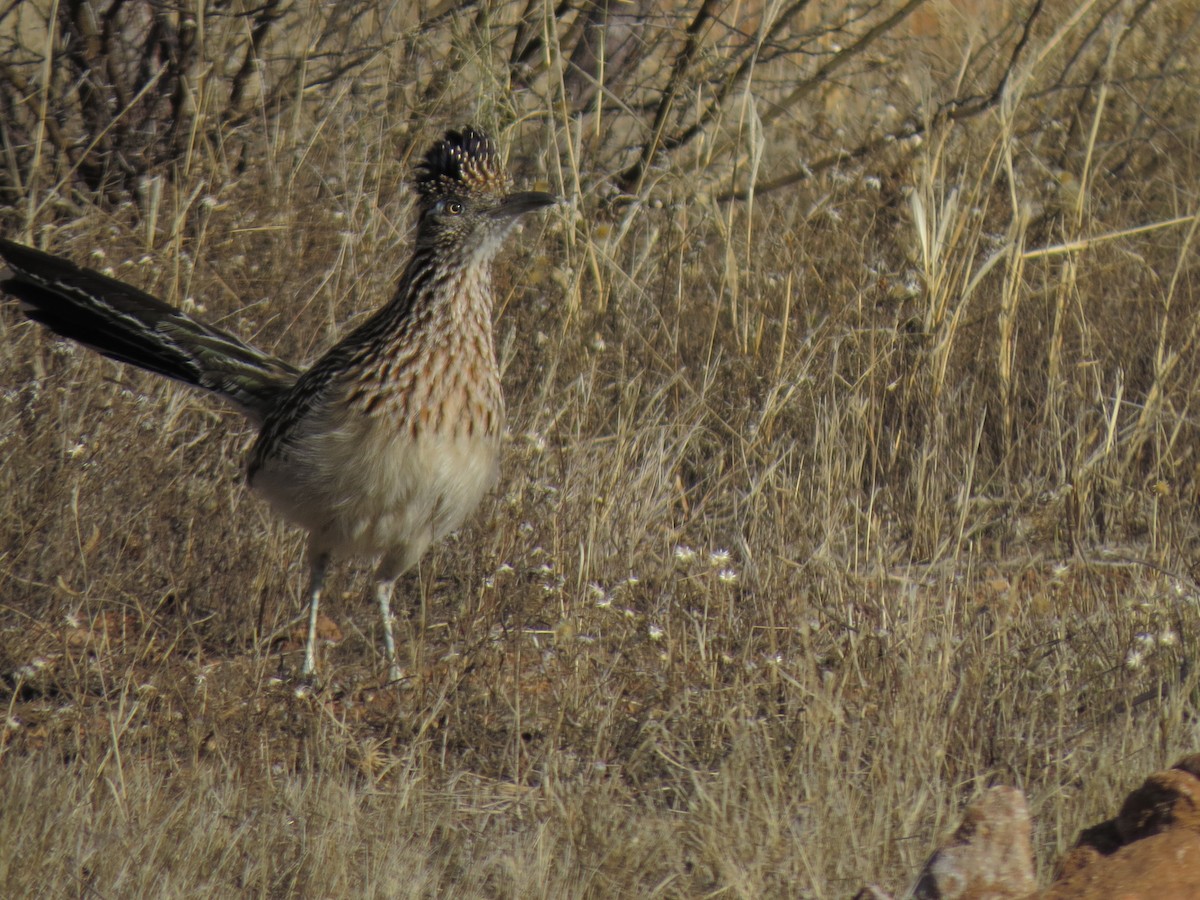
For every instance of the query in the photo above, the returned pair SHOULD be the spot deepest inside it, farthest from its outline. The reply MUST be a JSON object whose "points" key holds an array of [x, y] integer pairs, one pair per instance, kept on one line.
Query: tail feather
{"points": [[131, 326]]}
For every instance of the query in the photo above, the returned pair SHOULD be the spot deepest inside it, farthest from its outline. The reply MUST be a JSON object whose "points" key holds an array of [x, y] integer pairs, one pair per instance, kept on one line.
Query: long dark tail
{"points": [[133, 327]]}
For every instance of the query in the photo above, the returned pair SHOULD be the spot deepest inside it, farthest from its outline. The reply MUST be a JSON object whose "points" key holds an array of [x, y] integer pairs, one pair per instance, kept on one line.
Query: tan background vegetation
{"points": [[852, 463]]}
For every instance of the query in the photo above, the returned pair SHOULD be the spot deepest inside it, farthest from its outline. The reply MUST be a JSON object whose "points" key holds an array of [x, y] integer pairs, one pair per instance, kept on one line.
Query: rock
{"points": [[1151, 849], [989, 857]]}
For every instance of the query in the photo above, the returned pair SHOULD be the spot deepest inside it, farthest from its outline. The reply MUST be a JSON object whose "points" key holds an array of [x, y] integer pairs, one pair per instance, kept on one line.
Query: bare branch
{"points": [[635, 175], [954, 110]]}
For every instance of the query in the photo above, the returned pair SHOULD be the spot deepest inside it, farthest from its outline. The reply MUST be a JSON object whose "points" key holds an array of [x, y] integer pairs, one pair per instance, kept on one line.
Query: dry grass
{"points": [[819, 512]]}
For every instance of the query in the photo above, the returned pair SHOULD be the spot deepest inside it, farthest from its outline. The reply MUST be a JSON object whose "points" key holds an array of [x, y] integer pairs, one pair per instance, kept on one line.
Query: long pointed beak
{"points": [[522, 202]]}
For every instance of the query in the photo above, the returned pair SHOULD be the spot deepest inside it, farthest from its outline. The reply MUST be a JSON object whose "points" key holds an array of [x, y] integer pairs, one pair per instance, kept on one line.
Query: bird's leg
{"points": [[391, 567], [318, 563], [383, 596]]}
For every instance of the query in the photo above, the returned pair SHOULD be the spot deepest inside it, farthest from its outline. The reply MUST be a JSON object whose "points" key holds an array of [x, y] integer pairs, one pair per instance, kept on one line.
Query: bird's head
{"points": [[465, 196]]}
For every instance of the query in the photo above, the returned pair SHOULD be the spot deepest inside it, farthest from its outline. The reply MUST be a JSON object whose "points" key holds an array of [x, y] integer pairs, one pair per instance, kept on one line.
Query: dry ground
{"points": [[819, 513]]}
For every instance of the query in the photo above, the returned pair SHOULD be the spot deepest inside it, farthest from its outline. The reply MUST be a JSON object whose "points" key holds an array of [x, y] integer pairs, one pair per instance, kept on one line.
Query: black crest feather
{"points": [[461, 162]]}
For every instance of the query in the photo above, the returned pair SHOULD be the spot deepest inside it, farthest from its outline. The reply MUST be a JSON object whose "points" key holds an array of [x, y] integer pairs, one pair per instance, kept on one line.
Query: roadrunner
{"points": [[389, 441]]}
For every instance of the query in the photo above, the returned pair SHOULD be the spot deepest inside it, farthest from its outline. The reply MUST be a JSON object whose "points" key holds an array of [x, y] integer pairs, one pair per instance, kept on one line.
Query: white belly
{"points": [[365, 488]]}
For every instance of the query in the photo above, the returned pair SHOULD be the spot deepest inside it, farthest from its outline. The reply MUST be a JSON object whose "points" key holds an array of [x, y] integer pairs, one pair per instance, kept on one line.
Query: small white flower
{"points": [[684, 553], [599, 596], [1145, 638], [1135, 658], [656, 633], [727, 576], [872, 183], [719, 558], [1168, 638]]}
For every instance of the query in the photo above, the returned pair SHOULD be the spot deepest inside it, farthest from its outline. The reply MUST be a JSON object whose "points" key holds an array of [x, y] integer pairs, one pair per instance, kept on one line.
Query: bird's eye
{"points": [[454, 208]]}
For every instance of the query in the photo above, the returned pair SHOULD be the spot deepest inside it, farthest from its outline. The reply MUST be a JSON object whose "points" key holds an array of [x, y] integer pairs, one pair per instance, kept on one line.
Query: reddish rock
{"points": [[328, 632], [1166, 800], [1150, 850], [1161, 867]]}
